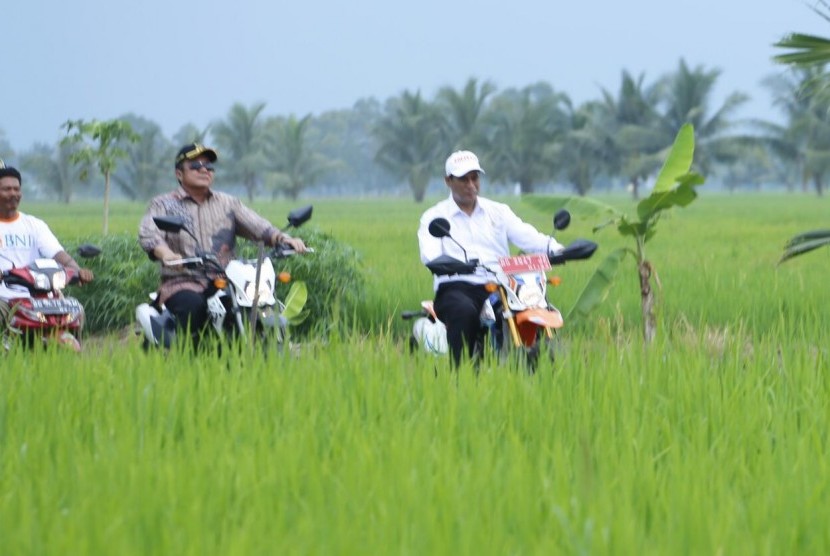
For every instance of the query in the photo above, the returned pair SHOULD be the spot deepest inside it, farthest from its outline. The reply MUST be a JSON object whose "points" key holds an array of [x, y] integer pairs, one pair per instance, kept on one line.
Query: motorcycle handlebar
{"points": [[280, 251], [193, 262], [578, 249], [189, 261], [446, 265], [407, 315]]}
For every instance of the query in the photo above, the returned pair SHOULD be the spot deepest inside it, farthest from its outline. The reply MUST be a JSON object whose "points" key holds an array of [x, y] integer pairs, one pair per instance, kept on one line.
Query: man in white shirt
{"points": [[24, 238], [485, 229]]}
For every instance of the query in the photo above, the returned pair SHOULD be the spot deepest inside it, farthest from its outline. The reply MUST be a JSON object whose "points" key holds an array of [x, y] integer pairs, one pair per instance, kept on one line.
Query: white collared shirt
{"points": [[486, 235]]}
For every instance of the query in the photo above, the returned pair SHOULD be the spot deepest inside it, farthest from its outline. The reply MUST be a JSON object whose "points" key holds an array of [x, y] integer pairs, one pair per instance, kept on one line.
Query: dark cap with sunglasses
{"points": [[195, 150]]}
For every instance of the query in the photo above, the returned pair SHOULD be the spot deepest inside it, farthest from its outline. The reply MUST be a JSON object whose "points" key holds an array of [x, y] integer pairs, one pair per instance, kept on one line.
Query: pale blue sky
{"points": [[176, 62]]}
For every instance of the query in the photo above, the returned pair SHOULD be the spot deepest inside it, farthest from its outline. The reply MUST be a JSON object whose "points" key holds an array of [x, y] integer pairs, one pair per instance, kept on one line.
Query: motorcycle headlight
{"points": [[530, 295], [264, 290], [59, 280], [41, 281]]}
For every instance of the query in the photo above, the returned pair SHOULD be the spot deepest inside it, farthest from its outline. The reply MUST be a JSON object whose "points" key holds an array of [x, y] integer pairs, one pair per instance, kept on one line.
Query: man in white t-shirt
{"points": [[24, 238]]}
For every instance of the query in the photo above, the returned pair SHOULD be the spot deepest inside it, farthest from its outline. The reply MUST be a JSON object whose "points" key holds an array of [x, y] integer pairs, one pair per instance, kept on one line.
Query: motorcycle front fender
{"points": [[530, 320], [550, 318]]}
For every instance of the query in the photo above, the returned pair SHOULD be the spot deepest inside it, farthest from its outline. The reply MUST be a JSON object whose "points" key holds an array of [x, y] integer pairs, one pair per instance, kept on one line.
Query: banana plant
{"points": [[675, 186]]}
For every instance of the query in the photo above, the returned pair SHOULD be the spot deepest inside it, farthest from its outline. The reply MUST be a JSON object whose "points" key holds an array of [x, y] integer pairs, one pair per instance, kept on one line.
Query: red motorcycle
{"points": [[38, 310]]}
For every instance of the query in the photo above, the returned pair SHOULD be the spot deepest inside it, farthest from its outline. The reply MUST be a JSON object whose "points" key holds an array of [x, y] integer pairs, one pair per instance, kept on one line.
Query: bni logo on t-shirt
{"points": [[15, 241]]}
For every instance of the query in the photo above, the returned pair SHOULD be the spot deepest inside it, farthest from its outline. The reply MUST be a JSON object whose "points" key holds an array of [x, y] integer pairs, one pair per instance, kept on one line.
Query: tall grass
{"points": [[713, 440], [356, 447]]}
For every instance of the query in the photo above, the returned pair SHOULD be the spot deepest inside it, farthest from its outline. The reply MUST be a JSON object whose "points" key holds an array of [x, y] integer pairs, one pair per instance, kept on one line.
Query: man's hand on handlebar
{"points": [[171, 259], [294, 243]]}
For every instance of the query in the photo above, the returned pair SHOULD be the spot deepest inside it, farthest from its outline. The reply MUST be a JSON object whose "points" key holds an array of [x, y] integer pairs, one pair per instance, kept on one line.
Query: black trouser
{"points": [[458, 305], [190, 310]]}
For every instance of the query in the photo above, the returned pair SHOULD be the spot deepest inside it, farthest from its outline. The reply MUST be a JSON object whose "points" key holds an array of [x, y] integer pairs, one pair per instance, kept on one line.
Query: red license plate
{"points": [[524, 263]]}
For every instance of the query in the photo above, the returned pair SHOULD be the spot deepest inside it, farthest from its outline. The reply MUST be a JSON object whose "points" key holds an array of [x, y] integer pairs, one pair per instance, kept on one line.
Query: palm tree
{"points": [[462, 112], [147, 169], [241, 142], [754, 166], [53, 169], [410, 141], [798, 94], [190, 133], [687, 96], [345, 138], [810, 51], [295, 165], [817, 130], [519, 127], [578, 156], [629, 121], [6, 150]]}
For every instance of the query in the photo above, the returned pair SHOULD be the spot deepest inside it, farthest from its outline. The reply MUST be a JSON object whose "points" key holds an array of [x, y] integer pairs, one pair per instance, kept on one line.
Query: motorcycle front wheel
{"points": [[273, 338], [529, 356]]}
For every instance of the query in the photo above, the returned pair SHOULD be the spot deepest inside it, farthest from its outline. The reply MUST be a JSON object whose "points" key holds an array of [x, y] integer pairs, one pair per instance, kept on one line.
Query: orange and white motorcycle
{"points": [[517, 316]]}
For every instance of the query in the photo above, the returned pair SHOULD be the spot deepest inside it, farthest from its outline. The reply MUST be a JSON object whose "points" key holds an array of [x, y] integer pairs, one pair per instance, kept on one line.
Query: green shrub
{"points": [[332, 273], [124, 276]]}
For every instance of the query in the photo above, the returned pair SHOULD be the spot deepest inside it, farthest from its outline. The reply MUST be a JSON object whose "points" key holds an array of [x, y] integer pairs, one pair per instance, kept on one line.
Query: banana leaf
{"points": [[679, 196], [598, 286], [577, 206], [633, 229], [679, 160], [294, 303]]}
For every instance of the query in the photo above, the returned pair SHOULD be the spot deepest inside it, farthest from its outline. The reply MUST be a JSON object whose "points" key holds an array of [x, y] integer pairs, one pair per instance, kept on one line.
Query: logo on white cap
{"points": [[460, 163]]}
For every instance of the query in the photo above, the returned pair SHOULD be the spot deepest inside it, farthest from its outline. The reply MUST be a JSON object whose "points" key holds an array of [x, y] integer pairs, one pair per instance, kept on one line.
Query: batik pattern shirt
{"points": [[216, 223]]}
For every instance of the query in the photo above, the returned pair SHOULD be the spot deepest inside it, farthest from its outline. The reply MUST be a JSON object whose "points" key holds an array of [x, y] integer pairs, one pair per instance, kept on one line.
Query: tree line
{"points": [[528, 137]]}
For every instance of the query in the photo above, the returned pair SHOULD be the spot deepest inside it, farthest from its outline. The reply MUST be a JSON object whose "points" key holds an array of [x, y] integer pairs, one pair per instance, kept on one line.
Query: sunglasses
{"points": [[196, 166]]}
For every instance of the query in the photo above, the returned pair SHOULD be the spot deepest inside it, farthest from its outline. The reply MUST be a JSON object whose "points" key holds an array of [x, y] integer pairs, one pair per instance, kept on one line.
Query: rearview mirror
{"points": [[440, 227], [299, 216], [87, 250], [561, 220], [173, 224]]}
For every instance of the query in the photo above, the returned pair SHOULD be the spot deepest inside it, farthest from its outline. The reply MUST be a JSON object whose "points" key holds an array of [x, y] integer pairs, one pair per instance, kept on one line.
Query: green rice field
{"points": [[713, 440]]}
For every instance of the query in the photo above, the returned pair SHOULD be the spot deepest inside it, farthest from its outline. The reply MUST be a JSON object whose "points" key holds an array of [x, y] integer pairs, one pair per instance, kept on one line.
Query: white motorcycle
{"points": [[240, 297], [517, 315]]}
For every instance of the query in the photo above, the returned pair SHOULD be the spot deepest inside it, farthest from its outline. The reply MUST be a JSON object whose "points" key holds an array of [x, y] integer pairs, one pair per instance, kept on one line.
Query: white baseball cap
{"points": [[460, 163]]}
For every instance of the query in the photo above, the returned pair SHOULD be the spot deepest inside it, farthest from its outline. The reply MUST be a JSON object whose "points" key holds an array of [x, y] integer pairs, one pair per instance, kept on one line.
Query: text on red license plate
{"points": [[524, 263]]}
